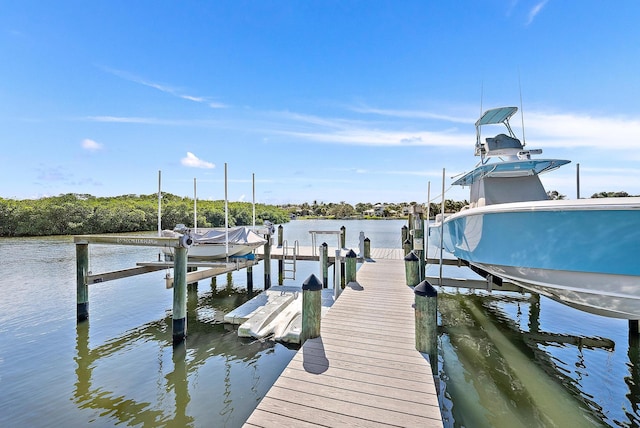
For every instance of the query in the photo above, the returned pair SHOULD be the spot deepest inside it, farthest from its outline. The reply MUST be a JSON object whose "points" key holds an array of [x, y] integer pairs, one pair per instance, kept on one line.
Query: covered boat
{"points": [[218, 243]]}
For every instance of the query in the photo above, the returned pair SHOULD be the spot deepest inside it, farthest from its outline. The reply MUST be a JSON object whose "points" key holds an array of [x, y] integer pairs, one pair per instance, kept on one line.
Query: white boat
{"points": [[583, 253], [216, 243]]}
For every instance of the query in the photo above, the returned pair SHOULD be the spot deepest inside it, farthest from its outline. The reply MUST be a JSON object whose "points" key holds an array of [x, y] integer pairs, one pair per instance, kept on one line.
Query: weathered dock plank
{"points": [[364, 369]]}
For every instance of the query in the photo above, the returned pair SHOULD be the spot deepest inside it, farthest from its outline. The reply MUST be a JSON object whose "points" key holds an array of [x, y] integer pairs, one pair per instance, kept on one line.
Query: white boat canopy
{"points": [[521, 168], [496, 115]]}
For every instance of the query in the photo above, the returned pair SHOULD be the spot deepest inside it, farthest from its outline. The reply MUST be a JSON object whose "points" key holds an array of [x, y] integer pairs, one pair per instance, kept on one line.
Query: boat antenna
{"points": [[481, 96], [521, 109]]}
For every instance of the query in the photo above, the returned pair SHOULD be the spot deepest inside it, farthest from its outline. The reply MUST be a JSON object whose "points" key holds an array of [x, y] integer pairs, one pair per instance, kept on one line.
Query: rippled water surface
{"points": [[505, 359]]}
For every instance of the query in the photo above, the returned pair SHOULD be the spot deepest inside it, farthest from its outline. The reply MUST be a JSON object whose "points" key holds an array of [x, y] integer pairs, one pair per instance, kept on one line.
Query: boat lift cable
{"points": [[524, 143], [437, 197]]}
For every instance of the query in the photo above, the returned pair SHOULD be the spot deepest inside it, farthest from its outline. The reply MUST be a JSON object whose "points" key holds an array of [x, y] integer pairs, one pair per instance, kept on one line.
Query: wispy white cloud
{"points": [[164, 88], [535, 10], [411, 114], [192, 161], [91, 145], [124, 119], [151, 121], [358, 132], [543, 129], [582, 130]]}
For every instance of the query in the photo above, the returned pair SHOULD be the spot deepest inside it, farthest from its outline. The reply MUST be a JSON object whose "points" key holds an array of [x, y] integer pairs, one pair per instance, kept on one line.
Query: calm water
{"points": [[505, 360]]}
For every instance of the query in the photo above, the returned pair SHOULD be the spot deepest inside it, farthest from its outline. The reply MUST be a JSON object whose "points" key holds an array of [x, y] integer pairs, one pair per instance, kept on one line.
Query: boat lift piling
{"points": [[267, 262], [324, 264], [184, 272], [280, 261], [417, 233]]}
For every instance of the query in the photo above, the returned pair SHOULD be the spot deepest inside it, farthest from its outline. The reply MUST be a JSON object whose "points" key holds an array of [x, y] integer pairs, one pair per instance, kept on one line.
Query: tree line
{"points": [[76, 214]]}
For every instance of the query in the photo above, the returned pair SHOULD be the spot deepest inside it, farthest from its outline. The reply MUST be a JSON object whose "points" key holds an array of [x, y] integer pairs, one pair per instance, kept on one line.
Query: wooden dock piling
{"points": [[179, 295], [280, 261], [267, 262], [406, 246], [82, 270], [417, 233], [367, 249], [337, 280], [350, 267], [324, 264], [426, 307], [249, 279], [311, 308], [412, 269]]}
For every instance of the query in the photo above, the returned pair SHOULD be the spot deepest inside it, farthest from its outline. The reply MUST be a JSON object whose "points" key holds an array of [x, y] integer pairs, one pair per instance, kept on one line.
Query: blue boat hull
{"points": [[582, 253]]}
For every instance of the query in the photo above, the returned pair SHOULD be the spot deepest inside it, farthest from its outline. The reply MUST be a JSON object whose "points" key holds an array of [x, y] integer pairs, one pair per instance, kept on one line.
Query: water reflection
{"points": [[500, 373], [211, 350], [633, 380]]}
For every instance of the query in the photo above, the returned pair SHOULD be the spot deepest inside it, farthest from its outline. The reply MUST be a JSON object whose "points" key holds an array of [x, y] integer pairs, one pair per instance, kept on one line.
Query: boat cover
{"points": [[237, 235]]}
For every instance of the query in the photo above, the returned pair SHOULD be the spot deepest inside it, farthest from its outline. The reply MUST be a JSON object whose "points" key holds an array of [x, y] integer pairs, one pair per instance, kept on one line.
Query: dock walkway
{"points": [[364, 369]]}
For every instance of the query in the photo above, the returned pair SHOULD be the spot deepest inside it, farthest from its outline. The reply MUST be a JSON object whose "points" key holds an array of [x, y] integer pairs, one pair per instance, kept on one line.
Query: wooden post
{"points": [[404, 233], [412, 269], [633, 328], [192, 284], [350, 263], [337, 280], [214, 282], [280, 236], [367, 248], [179, 294], [406, 245], [280, 271], [324, 264], [343, 237], [418, 238], [267, 262], [249, 279], [311, 308], [82, 290], [426, 306]]}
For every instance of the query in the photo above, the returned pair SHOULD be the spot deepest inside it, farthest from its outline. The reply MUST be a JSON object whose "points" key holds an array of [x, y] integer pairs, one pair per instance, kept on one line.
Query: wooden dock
{"points": [[364, 369], [308, 254]]}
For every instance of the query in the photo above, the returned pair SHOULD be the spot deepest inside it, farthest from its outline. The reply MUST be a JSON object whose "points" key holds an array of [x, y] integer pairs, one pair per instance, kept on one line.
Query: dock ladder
{"points": [[289, 256]]}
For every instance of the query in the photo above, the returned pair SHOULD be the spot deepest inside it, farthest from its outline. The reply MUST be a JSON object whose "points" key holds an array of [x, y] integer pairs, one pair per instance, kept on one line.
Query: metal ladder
{"points": [[289, 265]]}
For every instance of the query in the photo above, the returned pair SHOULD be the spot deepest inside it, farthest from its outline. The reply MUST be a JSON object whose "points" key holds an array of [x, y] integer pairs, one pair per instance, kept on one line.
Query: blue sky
{"points": [[356, 101]]}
